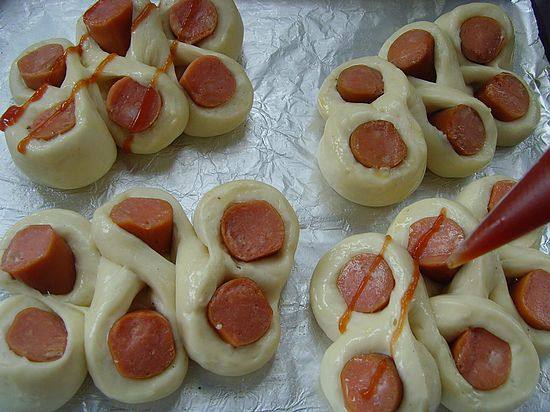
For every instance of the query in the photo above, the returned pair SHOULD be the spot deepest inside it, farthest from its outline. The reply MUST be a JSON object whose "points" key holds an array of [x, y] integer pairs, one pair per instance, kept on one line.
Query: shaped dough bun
{"points": [[204, 263], [45, 386]]}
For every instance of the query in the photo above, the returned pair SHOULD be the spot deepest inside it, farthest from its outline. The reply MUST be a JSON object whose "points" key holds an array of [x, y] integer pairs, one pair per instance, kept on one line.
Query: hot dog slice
{"points": [[43, 65], [193, 20], [371, 383], [109, 22], [482, 39], [432, 255], [209, 82], [482, 358], [239, 312], [413, 52], [142, 301], [376, 294], [463, 128], [142, 344], [377, 144], [530, 296], [37, 335], [505, 96], [39, 257], [54, 121], [149, 219], [132, 105], [252, 230], [499, 190], [360, 84]]}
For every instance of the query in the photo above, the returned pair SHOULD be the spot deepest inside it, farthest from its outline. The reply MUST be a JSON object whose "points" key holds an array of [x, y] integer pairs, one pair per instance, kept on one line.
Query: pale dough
{"points": [[371, 186], [128, 264], [372, 333], [445, 58], [19, 90], [475, 197], [74, 159], [509, 133], [44, 386], [451, 22], [477, 277], [454, 314], [207, 122], [203, 264], [227, 38], [174, 112], [116, 288], [443, 160], [76, 231]]}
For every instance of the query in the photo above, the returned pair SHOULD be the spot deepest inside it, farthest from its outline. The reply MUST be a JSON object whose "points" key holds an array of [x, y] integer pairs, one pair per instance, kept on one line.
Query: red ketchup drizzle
{"points": [[149, 95], [143, 15], [375, 380], [409, 293], [14, 113], [344, 320], [522, 210], [79, 85]]}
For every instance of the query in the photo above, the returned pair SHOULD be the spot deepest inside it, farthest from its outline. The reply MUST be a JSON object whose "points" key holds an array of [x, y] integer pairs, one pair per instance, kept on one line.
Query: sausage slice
{"points": [[377, 144], [252, 230], [531, 297], [37, 335], [209, 82], [39, 257], [482, 358], [371, 383], [413, 52], [360, 84], [482, 39], [45, 65], [109, 22], [239, 312], [463, 128], [54, 121], [376, 294], [499, 190], [142, 301], [193, 20], [432, 258], [506, 96], [132, 105], [151, 220], [141, 344]]}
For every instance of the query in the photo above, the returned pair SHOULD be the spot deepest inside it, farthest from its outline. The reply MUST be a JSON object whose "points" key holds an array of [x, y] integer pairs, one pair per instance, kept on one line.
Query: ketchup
{"points": [[523, 209]]}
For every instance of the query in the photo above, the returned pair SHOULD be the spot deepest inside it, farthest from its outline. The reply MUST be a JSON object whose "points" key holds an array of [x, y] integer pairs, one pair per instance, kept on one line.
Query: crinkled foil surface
{"points": [[290, 46]]}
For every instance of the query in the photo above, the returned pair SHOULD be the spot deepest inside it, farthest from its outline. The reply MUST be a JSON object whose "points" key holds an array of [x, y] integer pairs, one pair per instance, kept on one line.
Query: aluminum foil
{"points": [[289, 49]]}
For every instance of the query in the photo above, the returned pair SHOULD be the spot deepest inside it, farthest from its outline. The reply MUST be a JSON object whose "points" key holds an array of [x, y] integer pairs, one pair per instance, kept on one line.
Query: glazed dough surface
{"points": [[509, 133], [127, 265], [451, 22], [19, 89], [453, 314], [208, 122], [76, 231], [44, 386], [203, 264], [372, 333], [74, 159], [443, 160], [477, 277], [227, 38], [445, 58]]}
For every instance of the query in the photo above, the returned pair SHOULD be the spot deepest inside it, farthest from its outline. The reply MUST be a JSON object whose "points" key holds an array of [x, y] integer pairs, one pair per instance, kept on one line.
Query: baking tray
{"points": [[289, 49]]}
